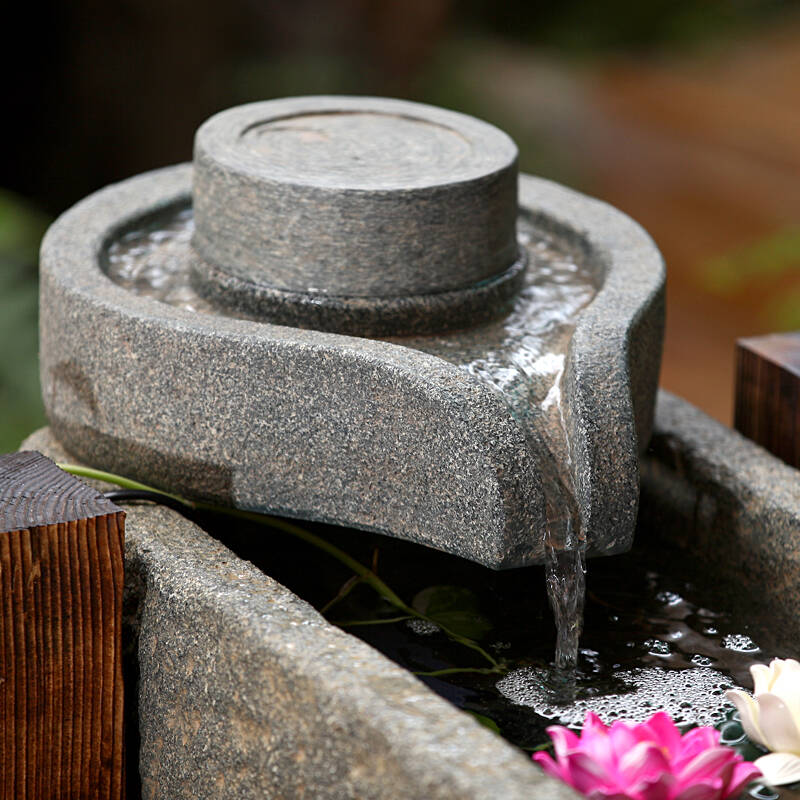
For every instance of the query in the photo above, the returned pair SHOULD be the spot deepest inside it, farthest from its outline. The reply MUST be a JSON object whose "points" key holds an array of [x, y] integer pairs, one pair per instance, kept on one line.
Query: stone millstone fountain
{"points": [[354, 310], [360, 314]]}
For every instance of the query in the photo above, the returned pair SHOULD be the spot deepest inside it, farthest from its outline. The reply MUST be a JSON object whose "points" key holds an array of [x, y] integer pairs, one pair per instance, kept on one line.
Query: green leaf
{"points": [[454, 608], [487, 722]]}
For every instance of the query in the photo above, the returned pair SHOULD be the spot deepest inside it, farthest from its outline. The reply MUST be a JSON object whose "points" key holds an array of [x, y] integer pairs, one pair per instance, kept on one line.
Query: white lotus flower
{"points": [[771, 718]]}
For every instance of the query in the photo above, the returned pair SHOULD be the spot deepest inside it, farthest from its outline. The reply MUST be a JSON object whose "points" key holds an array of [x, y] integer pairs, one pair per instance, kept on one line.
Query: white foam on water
{"points": [[740, 642], [423, 627], [689, 696]]}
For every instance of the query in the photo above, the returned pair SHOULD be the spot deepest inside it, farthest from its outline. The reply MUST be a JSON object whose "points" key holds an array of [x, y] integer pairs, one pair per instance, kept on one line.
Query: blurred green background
{"points": [[684, 113]]}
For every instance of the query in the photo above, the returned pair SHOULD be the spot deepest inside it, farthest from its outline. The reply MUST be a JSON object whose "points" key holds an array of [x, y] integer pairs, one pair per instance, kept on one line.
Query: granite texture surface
{"points": [[245, 691], [366, 433], [354, 196], [731, 506], [428, 313]]}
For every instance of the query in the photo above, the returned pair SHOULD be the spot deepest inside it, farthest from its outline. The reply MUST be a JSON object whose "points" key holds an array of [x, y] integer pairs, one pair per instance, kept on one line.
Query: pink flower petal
{"points": [[696, 742], [596, 743], [622, 738], [593, 724], [706, 766], [702, 737], [585, 774], [564, 740], [649, 761], [725, 776], [611, 794], [659, 789], [645, 762], [549, 766], [701, 791], [779, 768], [664, 731], [743, 773]]}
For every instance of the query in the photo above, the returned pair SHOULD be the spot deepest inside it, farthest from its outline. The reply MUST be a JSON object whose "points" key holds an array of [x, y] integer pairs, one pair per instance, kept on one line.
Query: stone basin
{"points": [[245, 691], [464, 416]]}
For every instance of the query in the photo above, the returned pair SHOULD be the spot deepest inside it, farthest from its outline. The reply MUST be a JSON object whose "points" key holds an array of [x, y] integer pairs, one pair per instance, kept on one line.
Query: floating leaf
{"points": [[454, 608]]}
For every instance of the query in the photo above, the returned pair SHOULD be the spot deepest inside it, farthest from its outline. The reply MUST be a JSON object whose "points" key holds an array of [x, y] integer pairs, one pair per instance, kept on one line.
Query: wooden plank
{"points": [[61, 581], [767, 401]]}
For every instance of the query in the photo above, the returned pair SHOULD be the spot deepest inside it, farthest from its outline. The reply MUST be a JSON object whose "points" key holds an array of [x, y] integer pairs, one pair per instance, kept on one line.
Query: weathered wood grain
{"points": [[61, 579], [767, 404]]}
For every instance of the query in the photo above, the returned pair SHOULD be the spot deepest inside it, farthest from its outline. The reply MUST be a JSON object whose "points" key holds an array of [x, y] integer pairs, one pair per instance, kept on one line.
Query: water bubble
{"points": [[732, 733], [740, 642], [760, 791], [686, 695], [669, 598], [423, 627], [657, 647]]}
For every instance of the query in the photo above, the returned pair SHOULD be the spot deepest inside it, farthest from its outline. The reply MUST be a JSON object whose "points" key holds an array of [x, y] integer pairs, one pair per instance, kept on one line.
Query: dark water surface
{"points": [[655, 637]]}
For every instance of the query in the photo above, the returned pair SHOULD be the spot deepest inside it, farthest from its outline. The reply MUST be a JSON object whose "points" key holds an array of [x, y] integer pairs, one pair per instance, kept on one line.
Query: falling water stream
{"points": [[521, 357]]}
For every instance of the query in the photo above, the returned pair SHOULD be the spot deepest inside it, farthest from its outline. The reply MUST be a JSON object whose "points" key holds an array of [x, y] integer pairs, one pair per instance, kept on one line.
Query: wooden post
{"points": [[767, 405], [61, 579]]}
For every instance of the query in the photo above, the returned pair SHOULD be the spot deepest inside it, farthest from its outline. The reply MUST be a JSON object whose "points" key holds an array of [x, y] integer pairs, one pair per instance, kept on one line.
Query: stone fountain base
{"points": [[246, 691]]}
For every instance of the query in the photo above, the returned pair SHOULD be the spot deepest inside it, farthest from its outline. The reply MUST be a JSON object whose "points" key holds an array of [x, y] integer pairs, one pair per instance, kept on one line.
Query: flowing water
{"points": [[521, 357]]}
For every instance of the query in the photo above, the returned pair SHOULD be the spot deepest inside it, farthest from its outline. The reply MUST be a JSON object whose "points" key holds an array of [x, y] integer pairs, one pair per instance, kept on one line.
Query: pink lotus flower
{"points": [[650, 761]]}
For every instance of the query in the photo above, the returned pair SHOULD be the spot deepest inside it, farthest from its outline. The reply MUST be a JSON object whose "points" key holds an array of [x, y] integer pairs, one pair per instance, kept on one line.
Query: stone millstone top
{"points": [[35, 492], [355, 214]]}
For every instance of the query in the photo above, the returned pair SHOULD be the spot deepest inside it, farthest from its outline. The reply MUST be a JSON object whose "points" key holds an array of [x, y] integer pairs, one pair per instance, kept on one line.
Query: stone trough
{"points": [[245, 691]]}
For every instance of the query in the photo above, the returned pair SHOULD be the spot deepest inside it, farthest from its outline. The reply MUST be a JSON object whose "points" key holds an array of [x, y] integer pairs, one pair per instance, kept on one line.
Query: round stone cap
{"points": [[351, 197]]}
